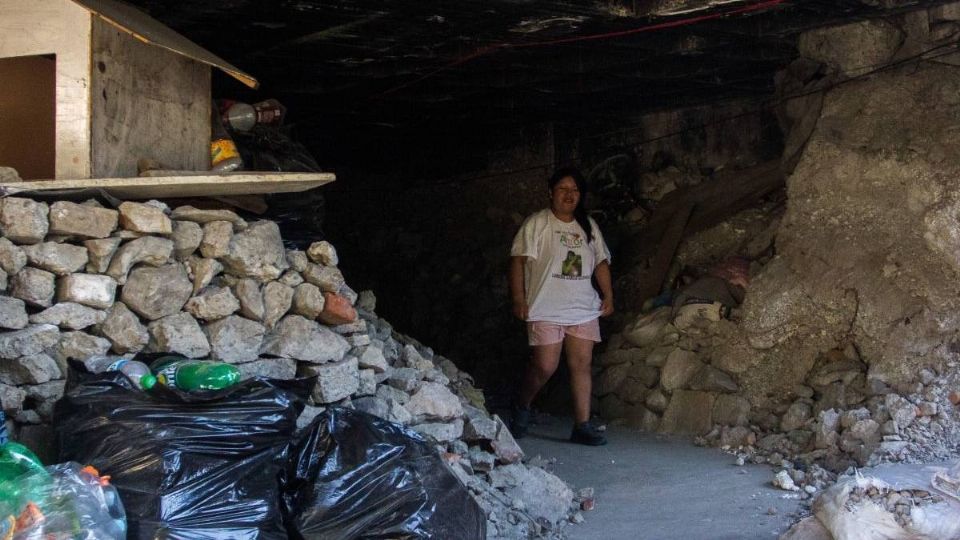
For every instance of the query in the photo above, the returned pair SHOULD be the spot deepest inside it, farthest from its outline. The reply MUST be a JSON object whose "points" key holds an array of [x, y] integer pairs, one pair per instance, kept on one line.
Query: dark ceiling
{"points": [[349, 65]]}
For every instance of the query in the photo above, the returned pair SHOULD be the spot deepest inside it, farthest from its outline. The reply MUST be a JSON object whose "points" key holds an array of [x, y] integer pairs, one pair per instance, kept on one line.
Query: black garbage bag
{"points": [[198, 466], [353, 475]]}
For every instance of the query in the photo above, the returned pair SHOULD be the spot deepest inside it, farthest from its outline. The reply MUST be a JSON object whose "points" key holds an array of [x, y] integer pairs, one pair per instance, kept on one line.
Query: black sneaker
{"points": [[520, 422], [586, 433]]}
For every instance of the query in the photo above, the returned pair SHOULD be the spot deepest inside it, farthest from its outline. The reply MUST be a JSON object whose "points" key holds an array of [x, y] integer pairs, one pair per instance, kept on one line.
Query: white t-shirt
{"points": [[560, 263]]}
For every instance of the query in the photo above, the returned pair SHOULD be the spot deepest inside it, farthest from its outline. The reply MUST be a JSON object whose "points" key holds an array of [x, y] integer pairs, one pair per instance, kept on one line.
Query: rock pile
{"points": [[81, 280]]}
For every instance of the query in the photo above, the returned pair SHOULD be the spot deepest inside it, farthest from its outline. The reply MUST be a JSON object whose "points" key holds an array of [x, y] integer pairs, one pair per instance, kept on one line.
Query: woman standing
{"points": [[554, 257]]}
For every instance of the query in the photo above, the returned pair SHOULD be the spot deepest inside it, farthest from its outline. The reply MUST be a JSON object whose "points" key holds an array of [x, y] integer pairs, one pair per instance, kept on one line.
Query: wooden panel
{"points": [[147, 103], [27, 114], [176, 186], [62, 28]]}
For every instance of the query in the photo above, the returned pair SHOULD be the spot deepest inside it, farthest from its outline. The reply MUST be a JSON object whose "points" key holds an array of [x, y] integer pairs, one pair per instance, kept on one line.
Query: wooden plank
{"points": [[62, 28], [652, 281], [147, 102], [176, 186]]}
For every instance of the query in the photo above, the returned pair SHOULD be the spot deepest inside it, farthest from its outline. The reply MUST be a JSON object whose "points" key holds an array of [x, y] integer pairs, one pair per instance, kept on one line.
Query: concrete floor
{"points": [[654, 487]]}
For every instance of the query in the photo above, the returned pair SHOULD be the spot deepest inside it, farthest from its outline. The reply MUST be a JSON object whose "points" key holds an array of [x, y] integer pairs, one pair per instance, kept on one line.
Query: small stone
{"points": [[434, 401], [901, 411], [405, 379], [328, 278], [372, 358], [215, 303], [186, 238], [504, 445], [277, 299], [291, 278], [796, 416], [92, 290], [149, 250], [282, 369], [204, 270], [13, 313], [216, 239], [73, 219], [368, 383], [33, 369], [367, 301], [248, 293], [657, 402], [12, 258], [298, 260], [478, 426], [27, 342], [323, 253], [308, 301], [235, 339], [480, 460], [441, 432], [100, 252], [11, 399], [178, 334], [154, 293], [69, 315], [23, 221], [257, 252], [302, 339], [337, 310], [61, 259], [335, 380], [202, 216], [144, 218], [34, 286], [864, 430], [783, 481], [123, 329]]}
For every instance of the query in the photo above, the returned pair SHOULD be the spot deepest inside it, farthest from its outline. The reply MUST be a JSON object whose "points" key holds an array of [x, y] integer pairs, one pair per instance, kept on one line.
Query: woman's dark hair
{"points": [[580, 213]]}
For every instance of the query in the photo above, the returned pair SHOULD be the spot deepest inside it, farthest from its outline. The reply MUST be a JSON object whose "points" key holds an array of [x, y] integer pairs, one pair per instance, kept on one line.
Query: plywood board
{"points": [[147, 102], [27, 114], [176, 186], [61, 28], [148, 30]]}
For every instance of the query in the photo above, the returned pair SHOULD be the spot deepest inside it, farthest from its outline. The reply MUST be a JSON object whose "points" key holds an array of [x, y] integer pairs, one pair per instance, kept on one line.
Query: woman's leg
{"points": [[579, 358], [546, 358]]}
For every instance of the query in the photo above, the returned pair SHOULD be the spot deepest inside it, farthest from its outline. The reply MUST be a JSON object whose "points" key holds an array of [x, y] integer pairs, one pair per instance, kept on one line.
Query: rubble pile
{"points": [[82, 281]]}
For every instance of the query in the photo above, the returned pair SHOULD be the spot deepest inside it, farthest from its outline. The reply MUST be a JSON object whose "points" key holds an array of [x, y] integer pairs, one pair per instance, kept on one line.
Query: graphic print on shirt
{"points": [[572, 266]]}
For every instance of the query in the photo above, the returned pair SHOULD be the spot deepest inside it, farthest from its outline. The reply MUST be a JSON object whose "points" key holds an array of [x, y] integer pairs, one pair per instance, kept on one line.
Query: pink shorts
{"points": [[548, 333]]}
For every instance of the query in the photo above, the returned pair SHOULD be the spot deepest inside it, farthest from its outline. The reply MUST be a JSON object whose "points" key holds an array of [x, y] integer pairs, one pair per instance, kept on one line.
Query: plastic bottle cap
{"points": [[147, 381]]}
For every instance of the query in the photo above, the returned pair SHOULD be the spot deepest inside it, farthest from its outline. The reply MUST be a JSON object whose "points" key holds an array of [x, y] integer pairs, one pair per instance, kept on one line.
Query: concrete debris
{"points": [[12, 258], [203, 216], [154, 293], [124, 330], [180, 334], [72, 219], [216, 239], [147, 250], [23, 221], [144, 218], [69, 315], [13, 313], [88, 289], [186, 238], [323, 253], [257, 252], [212, 304], [234, 339], [100, 253]]}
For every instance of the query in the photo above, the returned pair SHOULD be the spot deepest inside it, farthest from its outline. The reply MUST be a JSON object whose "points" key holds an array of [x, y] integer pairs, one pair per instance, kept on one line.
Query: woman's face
{"points": [[564, 196]]}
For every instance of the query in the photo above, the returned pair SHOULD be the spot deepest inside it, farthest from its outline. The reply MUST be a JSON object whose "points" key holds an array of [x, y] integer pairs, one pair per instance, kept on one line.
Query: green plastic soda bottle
{"points": [[22, 477], [190, 375]]}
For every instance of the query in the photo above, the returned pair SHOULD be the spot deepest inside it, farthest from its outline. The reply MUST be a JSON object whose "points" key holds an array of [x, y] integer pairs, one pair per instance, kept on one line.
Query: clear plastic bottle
{"points": [[189, 375], [138, 372], [242, 116]]}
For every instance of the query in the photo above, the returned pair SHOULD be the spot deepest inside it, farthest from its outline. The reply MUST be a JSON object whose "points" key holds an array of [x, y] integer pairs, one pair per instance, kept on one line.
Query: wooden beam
{"points": [[652, 281], [166, 187]]}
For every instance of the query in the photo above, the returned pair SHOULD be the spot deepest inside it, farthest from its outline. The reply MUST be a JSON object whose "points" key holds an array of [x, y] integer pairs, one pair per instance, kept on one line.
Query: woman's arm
{"points": [[602, 273], [518, 294]]}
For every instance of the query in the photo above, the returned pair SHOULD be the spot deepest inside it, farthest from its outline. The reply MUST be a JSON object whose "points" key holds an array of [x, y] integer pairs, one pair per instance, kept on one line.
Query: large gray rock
{"points": [[179, 334], [434, 402], [33, 369], [61, 259], [202, 216], [13, 313], [478, 426], [101, 252], [23, 221], [235, 339], [387, 408], [405, 379], [123, 329], [88, 289], [545, 496], [368, 383], [372, 358], [711, 379], [250, 296], [327, 278], [335, 380], [71, 219], [680, 368], [29, 341], [504, 445], [204, 270], [277, 299], [69, 315], [78, 346], [441, 432], [12, 258], [689, 412], [34, 286], [216, 239], [307, 301], [270, 368], [257, 252], [731, 410], [154, 293], [302, 339], [323, 253], [147, 250], [214, 303], [186, 238], [144, 218]]}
